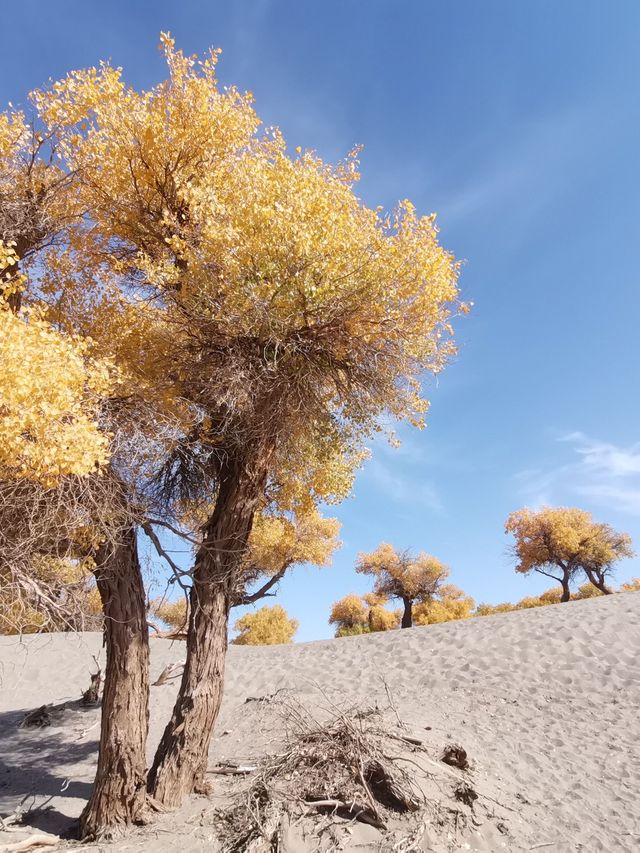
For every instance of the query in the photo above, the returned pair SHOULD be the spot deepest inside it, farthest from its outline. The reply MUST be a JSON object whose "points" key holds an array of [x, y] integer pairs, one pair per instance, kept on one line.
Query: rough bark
{"points": [[407, 615], [181, 759], [119, 793]]}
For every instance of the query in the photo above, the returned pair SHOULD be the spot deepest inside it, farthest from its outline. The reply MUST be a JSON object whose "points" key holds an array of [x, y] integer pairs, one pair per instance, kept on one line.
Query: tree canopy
{"points": [[561, 542], [403, 575], [268, 626]]}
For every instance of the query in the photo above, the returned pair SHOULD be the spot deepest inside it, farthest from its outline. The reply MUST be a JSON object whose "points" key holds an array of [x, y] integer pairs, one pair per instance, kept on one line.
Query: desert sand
{"points": [[545, 702]]}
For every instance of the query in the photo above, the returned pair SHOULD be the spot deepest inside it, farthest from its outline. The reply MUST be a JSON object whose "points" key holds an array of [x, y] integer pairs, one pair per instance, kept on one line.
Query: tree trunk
{"points": [[181, 759], [566, 590], [407, 615], [597, 579], [119, 792]]}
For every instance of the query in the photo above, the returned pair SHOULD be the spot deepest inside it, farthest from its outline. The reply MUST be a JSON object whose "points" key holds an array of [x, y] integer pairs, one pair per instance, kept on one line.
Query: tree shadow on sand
{"points": [[47, 770]]}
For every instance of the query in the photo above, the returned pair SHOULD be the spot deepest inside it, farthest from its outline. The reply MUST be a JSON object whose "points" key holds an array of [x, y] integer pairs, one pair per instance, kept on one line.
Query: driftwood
{"points": [[352, 811], [233, 769], [31, 843], [170, 671]]}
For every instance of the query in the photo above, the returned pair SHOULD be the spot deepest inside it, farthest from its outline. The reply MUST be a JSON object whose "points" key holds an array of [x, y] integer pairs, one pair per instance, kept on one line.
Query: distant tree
{"points": [[403, 575], [562, 542], [173, 613], [449, 604], [378, 617], [587, 590], [552, 596], [349, 615], [493, 609], [268, 626], [355, 615], [631, 586]]}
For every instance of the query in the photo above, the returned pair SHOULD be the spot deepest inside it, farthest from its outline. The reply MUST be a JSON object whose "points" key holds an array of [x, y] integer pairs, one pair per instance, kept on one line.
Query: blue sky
{"points": [[518, 123]]}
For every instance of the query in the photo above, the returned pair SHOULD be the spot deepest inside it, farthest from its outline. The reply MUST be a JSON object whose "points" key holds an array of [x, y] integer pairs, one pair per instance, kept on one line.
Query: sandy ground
{"points": [[546, 703]]}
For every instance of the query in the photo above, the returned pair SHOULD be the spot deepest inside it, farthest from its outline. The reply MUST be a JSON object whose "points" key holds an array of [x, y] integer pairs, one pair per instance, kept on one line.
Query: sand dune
{"points": [[546, 703]]}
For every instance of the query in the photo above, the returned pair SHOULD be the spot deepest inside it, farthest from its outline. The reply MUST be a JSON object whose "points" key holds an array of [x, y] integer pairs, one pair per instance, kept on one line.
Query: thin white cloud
{"points": [[605, 474], [401, 489]]}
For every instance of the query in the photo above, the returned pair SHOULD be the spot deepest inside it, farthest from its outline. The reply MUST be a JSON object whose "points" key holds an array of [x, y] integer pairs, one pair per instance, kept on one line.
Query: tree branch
{"points": [[553, 577], [264, 589], [173, 529], [178, 573]]}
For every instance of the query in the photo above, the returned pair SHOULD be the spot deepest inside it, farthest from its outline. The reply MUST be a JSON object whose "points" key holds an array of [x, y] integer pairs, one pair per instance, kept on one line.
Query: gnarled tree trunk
{"points": [[181, 759], [119, 793]]}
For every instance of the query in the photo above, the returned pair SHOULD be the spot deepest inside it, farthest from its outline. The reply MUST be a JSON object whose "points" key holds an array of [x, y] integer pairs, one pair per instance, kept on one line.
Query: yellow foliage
{"points": [[552, 596], [631, 586], [49, 396], [266, 627], [172, 613], [277, 542], [588, 590], [449, 604], [564, 537], [402, 575], [380, 619], [492, 609], [362, 615], [349, 612], [266, 289]]}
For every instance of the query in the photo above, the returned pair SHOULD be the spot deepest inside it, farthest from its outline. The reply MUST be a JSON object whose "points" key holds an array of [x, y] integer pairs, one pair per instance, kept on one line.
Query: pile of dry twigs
{"points": [[346, 767]]}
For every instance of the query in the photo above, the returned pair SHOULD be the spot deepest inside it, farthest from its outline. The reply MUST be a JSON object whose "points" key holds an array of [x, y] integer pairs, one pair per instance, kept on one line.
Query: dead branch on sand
{"points": [[339, 768]]}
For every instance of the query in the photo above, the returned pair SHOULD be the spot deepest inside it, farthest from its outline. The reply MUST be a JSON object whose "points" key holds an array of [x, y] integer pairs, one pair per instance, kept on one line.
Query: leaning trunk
{"points": [[407, 615], [598, 581], [119, 791], [181, 759]]}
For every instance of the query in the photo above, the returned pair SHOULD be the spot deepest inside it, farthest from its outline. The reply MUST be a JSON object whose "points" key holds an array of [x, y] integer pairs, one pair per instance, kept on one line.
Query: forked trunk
{"points": [[597, 579], [181, 759], [407, 615], [119, 791]]}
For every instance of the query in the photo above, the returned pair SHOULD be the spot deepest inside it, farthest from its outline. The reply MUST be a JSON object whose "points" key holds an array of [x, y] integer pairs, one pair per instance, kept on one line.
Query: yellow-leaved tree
{"points": [[53, 442], [562, 542], [288, 319], [268, 626], [447, 604], [400, 574]]}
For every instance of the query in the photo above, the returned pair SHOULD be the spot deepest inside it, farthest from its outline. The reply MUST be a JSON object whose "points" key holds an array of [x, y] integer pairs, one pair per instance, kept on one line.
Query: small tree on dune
{"points": [[349, 615], [448, 604], [562, 542], [403, 575], [588, 590], [266, 627]]}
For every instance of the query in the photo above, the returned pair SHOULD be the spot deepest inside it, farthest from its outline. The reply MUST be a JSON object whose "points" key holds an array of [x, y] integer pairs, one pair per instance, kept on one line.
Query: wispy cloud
{"points": [[401, 489], [604, 473]]}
